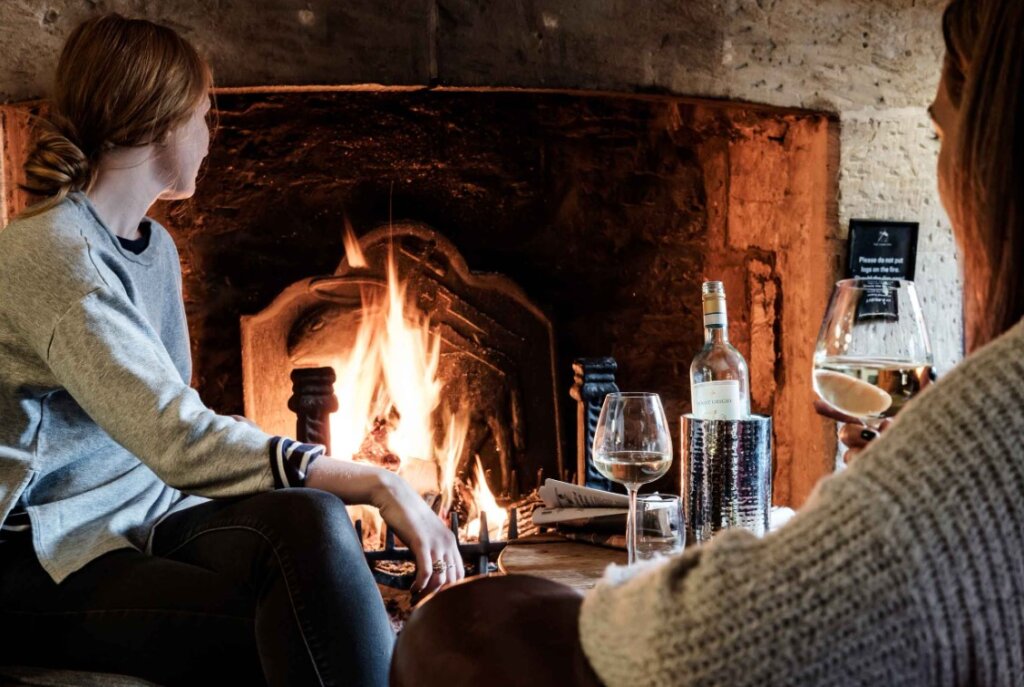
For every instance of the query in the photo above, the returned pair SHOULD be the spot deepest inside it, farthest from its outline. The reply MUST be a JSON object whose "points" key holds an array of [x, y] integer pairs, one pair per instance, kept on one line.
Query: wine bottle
{"points": [[719, 380]]}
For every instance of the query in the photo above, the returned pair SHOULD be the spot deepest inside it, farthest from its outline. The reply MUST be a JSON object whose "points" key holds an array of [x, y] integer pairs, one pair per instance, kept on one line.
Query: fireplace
{"points": [[599, 213], [441, 374]]}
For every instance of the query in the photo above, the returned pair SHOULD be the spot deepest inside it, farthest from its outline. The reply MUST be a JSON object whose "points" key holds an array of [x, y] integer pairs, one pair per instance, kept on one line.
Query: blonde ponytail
{"points": [[56, 166]]}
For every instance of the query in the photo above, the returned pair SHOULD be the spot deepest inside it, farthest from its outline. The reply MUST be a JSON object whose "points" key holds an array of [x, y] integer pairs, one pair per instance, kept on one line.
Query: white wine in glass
{"points": [[632, 446], [633, 467], [873, 353]]}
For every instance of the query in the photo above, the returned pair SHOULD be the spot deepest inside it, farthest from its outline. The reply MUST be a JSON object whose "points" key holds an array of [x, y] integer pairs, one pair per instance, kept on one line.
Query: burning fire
{"points": [[484, 499], [389, 398]]}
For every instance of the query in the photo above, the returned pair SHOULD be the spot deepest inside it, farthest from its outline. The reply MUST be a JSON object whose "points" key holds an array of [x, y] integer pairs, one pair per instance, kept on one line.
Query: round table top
{"points": [[576, 564]]}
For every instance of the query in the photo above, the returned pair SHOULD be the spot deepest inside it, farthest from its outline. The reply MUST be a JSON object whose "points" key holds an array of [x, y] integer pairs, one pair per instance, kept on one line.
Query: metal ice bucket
{"points": [[727, 475]]}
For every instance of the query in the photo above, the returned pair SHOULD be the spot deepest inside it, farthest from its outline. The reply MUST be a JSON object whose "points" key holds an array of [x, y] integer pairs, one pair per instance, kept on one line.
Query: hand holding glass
{"points": [[873, 353], [632, 446]]}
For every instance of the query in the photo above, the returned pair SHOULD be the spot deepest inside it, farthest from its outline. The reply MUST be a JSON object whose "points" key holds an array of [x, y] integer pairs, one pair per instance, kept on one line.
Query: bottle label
{"points": [[715, 319], [717, 400], [714, 310]]}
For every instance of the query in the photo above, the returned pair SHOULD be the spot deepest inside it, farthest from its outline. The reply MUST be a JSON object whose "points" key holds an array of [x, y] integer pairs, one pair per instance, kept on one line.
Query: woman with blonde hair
{"points": [[143, 533], [907, 568]]}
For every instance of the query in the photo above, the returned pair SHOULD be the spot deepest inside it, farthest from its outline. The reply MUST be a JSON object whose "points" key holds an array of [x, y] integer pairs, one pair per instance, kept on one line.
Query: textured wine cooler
{"points": [[727, 475]]}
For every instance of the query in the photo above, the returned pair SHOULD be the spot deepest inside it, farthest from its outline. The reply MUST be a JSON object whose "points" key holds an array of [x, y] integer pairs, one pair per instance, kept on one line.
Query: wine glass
{"points": [[632, 446], [873, 353]]}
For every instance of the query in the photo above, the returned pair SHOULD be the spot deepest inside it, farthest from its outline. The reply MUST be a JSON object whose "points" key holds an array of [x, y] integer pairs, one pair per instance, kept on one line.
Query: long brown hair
{"points": [[119, 82], [984, 74]]}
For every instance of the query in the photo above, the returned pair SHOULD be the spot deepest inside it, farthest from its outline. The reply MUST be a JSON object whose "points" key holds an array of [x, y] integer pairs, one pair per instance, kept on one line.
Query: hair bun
{"points": [[56, 165]]}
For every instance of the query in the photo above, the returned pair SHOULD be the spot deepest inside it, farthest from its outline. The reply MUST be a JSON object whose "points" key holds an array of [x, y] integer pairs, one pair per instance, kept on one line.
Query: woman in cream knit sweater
{"points": [[905, 569]]}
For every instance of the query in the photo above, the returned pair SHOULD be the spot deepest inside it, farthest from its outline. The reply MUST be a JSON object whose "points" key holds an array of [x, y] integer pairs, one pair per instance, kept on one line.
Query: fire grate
{"points": [[476, 556], [312, 402]]}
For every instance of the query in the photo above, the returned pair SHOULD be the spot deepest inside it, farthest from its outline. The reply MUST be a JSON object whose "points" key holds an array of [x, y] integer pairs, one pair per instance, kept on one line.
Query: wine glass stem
{"points": [[631, 525]]}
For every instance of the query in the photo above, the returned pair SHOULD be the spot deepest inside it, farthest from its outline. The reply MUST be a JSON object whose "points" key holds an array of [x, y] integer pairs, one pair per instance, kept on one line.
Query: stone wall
{"points": [[874, 63]]}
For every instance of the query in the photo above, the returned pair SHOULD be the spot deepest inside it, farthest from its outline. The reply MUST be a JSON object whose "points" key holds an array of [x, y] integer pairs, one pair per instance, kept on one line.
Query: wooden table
{"points": [[575, 563], [555, 558]]}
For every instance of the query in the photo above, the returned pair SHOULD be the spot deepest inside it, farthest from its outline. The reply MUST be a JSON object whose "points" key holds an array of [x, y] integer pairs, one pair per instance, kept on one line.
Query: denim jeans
{"points": [[264, 589]]}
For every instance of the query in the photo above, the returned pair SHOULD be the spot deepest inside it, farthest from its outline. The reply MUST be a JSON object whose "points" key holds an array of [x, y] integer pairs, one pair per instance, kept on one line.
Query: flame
{"points": [[458, 427], [356, 397], [410, 354], [484, 499], [353, 253], [389, 398], [388, 389]]}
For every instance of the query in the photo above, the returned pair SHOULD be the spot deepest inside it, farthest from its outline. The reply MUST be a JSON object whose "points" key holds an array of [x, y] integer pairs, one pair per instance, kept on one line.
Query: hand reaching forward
{"points": [[424, 532], [438, 561]]}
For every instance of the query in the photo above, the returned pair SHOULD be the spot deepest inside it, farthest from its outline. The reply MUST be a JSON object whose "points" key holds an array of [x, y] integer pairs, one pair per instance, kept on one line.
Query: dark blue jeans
{"points": [[264, 589]]}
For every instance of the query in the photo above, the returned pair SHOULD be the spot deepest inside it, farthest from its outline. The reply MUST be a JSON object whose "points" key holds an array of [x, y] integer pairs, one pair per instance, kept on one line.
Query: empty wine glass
{"points": [[873, 353], [660, 526], [632, 446]]}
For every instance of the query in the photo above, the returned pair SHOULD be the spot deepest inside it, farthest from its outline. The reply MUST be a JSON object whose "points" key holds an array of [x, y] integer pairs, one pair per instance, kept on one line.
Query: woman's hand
{"points": [[422, 531], [854, 433], [403, 510]]}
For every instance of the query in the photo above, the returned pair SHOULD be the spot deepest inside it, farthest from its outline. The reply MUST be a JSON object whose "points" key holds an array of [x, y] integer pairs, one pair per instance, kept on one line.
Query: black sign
{"points": [[884, 251]]}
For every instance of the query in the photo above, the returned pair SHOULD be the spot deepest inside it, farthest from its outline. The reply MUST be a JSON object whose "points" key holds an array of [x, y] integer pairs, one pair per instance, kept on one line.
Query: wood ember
{"points": [[396, 568], [524, 513], [374, 448]]}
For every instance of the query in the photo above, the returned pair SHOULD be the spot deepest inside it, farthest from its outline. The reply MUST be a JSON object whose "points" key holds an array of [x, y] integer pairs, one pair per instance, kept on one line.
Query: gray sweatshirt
{"points": [[100, 432], [907, 568]]}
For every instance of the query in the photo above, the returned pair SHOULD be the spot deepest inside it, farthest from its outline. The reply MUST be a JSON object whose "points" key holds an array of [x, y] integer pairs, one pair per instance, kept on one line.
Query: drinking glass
{"points": [[873, 353], [660, 527], [632, 446]]}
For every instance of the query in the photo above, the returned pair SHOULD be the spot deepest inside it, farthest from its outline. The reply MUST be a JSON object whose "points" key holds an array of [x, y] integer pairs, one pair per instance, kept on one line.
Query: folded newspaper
{"points": [[593, 515], [569, 504]]}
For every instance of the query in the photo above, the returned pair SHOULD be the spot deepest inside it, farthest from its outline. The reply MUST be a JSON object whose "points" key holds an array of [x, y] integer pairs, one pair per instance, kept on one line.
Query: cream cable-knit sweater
{"points": [[907, 568]]}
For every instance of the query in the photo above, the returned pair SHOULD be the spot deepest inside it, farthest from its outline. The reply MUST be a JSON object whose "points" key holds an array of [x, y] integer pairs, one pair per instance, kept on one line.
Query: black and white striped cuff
{"points": [[290, 459]]}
